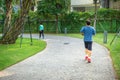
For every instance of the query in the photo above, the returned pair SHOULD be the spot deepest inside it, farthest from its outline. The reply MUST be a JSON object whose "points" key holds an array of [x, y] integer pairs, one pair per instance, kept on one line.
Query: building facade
{"points": [[89, 5], [83, 5], [115, 4]]}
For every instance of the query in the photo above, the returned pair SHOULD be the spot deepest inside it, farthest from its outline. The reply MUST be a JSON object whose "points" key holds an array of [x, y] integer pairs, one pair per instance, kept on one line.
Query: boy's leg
{"points": [[39, 34], [89, 56], [43, 34], [89, 51], [86, 50]]}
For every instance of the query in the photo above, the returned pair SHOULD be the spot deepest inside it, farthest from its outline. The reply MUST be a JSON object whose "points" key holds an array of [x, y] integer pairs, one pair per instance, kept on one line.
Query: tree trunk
{"points": [[8, 15], [13, 32]]}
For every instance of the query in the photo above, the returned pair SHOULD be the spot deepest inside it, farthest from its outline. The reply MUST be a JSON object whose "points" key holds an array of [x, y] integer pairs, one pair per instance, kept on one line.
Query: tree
{"points": [[53, 7], [2, 7], [11, 32], [8, 15]]}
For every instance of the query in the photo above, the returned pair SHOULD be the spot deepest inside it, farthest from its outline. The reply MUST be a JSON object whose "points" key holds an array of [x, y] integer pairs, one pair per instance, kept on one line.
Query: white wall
{"points": [[81, 2]]}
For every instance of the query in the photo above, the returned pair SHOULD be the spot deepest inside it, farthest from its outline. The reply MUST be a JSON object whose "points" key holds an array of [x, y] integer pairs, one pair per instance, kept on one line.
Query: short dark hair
{"points": [[88, 22]]}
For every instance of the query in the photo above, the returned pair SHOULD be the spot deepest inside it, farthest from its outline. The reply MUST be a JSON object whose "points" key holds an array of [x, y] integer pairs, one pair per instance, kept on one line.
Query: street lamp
{"points": [[95, 19]]}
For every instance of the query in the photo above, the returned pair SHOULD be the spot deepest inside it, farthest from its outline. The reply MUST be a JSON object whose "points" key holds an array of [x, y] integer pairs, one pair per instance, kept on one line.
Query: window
{"points": [[79, 9]]}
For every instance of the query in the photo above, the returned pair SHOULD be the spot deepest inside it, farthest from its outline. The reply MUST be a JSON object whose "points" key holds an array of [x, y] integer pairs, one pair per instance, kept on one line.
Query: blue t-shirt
{"points": [[88, 32], [41, 27]]}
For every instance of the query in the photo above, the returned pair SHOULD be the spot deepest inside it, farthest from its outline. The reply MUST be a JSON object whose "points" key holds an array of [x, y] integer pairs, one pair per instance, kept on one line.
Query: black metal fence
{"points": [[109, 25]]}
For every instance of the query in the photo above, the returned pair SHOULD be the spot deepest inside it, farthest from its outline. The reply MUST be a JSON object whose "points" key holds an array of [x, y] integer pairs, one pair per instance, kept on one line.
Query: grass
{"points": [[12, 53], [114, 48]]}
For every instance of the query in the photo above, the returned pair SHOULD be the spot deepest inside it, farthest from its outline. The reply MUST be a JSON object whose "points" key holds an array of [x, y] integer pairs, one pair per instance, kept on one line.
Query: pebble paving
{"points": [[63, 59]]}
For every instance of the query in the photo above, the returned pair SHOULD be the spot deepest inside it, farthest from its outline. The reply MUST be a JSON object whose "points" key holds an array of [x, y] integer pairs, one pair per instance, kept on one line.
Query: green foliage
{"points": [[2, 7], [2, 3], [108, 13], [12, 53], [33, 14], [77, 16], [50, 7], [108, 19], [74, 21]]}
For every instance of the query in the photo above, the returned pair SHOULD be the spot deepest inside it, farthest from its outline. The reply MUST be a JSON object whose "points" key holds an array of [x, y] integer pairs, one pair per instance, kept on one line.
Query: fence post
{"points": [[105, 37], [65, 31]]}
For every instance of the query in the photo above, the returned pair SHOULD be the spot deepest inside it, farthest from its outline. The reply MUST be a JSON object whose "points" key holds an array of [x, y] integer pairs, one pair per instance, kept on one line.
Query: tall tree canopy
{"points": [[53, 7]]}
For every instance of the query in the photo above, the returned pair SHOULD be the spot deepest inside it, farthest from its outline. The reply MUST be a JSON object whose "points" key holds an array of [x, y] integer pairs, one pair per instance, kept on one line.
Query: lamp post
{"points": [[95, 19]]}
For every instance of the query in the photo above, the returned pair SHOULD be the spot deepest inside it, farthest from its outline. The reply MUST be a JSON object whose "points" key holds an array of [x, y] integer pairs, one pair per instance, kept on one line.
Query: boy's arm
{"points": [[94, 32], [82, 31], [82, 34]]}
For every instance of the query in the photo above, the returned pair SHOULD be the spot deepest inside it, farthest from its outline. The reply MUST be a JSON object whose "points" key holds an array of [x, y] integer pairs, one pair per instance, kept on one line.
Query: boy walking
{"points": [[88, 31], [41, 31]]}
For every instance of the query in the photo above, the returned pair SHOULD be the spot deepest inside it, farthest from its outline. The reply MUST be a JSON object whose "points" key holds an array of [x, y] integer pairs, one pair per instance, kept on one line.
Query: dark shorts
{"points": [[88, 45]]}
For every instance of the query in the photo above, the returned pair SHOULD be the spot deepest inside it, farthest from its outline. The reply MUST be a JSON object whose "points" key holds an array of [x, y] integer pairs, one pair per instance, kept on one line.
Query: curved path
{"points": [[63, 59]]}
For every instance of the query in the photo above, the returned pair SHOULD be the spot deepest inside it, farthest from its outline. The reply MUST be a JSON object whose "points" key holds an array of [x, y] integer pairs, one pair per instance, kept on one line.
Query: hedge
{"points": [[107, 20]]}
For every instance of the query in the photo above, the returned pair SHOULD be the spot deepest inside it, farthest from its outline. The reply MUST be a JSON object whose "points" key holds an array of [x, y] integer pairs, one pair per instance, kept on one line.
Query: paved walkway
{"points": [[63, 59]]}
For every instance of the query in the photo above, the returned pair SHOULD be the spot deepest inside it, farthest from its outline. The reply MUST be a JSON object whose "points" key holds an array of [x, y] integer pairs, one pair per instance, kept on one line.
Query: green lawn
{"points": [[114, 48], [12, 53]]}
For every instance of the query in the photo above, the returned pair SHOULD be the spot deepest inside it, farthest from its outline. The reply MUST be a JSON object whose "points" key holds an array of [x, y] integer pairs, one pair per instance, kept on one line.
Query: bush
{"points": [[108, 13]]}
